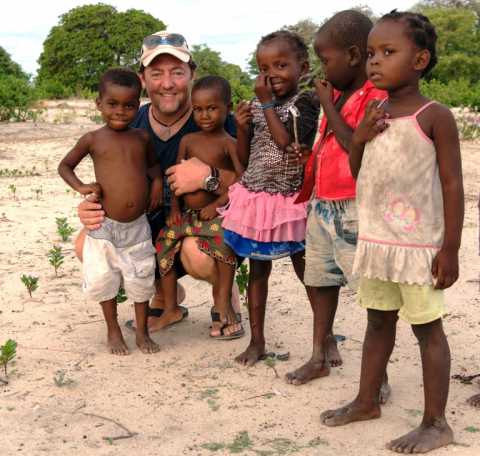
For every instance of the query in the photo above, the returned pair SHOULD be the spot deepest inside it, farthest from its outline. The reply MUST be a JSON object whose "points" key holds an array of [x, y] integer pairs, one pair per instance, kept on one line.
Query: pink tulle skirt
{"points": [[264, 217]]}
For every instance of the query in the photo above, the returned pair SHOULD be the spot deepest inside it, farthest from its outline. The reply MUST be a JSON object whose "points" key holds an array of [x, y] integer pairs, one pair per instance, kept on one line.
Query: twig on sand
{"points": [[87, 322], [3, 382], [129, 434], [53, 349]]}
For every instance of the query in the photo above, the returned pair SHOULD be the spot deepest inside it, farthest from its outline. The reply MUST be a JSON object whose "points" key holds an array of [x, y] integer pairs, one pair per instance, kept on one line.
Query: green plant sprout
{"points": [[270, 362], [13, 189], [61, 379], [8, 351], [55, 258], [30, 282], [38, 192], [64, 229], [242, 281], [6, 172]]}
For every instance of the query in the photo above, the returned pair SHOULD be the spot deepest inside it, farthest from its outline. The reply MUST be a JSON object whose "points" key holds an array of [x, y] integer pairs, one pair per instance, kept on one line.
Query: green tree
{"points": [[90, 39], [209, 62], [10, 68]]}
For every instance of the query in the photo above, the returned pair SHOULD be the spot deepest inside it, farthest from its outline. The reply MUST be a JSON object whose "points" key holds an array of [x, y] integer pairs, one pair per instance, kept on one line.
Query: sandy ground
{"points": [[190, 398]]}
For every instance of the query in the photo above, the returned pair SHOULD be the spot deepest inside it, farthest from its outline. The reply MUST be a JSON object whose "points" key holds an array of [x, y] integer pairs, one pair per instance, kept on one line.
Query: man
{"points": [[167, 72]]}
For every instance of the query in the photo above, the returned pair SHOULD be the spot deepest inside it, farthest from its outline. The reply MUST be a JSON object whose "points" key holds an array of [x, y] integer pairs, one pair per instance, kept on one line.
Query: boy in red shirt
{"points": [[332, 224]]}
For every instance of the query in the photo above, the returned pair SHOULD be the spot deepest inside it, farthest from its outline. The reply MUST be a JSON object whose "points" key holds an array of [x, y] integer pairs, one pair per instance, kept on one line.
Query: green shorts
{"points": [[417, 304]]}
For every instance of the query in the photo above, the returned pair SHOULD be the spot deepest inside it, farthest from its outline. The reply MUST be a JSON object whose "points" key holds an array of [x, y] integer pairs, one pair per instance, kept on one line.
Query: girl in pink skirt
{"points": [[262, 222]]}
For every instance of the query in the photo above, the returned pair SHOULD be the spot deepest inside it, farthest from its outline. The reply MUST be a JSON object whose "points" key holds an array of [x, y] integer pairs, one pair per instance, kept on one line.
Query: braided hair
{"points": [[294, 40], [420, 30]]}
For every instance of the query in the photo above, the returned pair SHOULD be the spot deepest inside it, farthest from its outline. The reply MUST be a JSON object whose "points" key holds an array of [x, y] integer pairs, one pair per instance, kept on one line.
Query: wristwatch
{"points": [[212, 182]]}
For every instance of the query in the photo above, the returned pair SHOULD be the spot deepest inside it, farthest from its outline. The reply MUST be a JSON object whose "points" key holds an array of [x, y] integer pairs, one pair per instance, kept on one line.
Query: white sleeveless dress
{"points": [[400, 205]]}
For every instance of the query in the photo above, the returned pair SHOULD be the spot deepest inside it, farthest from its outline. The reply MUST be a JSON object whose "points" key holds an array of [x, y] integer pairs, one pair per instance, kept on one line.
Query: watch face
{"points": [[212, 183]]}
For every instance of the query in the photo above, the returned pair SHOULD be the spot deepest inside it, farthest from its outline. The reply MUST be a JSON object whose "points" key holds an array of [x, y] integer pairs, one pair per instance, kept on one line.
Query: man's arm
{"points": [[189, 176]]}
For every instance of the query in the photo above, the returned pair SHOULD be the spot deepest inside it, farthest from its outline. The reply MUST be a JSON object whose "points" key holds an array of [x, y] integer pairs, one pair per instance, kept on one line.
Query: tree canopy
{"points": [[8, 67], [90, 39]]}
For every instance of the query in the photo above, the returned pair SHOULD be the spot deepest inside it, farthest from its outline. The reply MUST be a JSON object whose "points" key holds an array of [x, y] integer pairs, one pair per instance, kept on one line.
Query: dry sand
{"points": [[190, 398]]}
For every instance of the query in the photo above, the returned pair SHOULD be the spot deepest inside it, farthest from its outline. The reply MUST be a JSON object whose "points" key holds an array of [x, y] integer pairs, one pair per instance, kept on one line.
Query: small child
{"points": [[262, 222], [332, 224], [211, 103], [121, 251], [406, 154]]}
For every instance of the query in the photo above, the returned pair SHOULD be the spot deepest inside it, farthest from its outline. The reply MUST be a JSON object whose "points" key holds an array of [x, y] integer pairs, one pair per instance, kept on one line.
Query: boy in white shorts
{"points": [[121, 251]]}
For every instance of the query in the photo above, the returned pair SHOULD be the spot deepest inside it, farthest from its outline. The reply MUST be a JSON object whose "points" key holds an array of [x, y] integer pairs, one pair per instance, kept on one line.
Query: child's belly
{"points": [[125, 200], [199, 199]]}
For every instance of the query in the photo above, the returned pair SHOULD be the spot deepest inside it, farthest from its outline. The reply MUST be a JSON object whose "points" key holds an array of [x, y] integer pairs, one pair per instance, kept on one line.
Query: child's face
{"points": [[209, 110], [335, 62], [393, 59], [280, 64], [118, 106]]}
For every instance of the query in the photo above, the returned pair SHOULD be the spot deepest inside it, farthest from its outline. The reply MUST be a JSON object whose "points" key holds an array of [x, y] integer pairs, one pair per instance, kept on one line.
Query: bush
{"points": [[16, 99], [52, 90], [455, 93]]}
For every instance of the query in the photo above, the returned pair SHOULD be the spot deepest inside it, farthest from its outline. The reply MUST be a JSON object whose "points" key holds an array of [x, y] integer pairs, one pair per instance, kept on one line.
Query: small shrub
{"points": [[53, 90], [55, 258], [13, 189], [8, 351], [17, 98], [242, 281], [30, 282], [64, 229]]}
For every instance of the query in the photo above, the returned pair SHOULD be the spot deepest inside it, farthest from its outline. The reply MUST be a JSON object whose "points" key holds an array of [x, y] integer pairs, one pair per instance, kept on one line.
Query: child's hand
{"points": [[243, 116], [372, 124], [298, 153], [156, 194], [208, 212], [263, 88], [175, 217], [445, 268], [324, 90], [87, 189]]}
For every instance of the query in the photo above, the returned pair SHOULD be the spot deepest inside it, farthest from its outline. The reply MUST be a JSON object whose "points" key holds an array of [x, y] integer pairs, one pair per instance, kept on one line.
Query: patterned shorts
{"points": [[331, 242], [210, 240]]}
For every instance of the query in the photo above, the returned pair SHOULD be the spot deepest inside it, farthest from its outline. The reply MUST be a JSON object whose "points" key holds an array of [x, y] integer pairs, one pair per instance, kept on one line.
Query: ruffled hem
{"points": [[395, 263], [264, 217]]}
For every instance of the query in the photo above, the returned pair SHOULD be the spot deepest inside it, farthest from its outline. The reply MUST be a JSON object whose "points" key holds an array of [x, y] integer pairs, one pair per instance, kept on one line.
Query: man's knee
{"points": [[197, 263]]}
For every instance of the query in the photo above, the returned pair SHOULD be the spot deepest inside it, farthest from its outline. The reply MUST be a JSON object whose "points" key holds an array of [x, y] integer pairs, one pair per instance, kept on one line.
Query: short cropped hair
{"points": [[122, 77], [215, 83], [347, 28], [420, 30]]}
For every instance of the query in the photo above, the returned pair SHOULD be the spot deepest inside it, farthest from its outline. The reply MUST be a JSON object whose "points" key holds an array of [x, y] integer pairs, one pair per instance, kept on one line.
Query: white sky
{"points": [[232, 28]]}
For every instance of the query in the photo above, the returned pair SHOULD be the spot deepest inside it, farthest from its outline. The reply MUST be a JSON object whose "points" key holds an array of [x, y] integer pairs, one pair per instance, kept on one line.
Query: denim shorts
{"points": [[331, 241]]}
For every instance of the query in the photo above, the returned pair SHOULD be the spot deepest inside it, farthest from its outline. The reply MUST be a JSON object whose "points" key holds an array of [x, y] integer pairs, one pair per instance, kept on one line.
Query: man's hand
{"points": [[188, 176], [445, 268], [372, 123], [209, 212], [324, 91], [90, 212], [243, 116], [263, 89]]}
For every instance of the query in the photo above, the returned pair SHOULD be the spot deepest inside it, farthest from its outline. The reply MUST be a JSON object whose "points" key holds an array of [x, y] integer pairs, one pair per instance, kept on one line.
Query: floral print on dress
{"points": [[401, 213]]}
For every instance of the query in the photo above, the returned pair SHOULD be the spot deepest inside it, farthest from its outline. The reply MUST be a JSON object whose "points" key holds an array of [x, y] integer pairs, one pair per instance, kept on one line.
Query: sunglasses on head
{"points": [[172, 39]]}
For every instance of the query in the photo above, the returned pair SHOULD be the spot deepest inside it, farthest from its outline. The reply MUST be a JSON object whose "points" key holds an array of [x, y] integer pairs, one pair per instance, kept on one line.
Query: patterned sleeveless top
{"points": [[400, 205], [268, 169]]}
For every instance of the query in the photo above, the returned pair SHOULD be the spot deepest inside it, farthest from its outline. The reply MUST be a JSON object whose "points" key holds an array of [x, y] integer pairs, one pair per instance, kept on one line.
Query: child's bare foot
{"points": [[424, 438], [309, 371], [474, 401], [350, 413], [145, 344], [251, 355], [331, 349], [115, 342]]}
